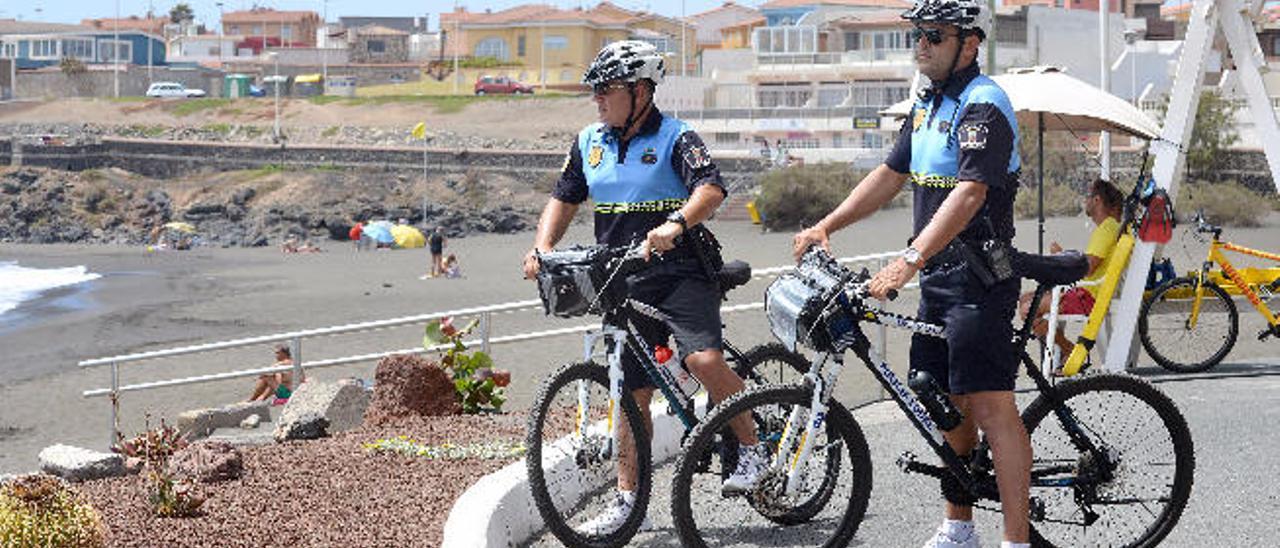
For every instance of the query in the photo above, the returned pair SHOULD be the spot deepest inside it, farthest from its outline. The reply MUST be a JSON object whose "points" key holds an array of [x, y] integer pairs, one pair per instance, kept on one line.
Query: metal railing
{"points": [[485, 340]]}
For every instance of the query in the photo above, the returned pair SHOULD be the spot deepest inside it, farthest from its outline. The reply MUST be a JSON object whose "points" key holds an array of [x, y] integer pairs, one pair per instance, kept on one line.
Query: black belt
{"points": [[950, 255]]}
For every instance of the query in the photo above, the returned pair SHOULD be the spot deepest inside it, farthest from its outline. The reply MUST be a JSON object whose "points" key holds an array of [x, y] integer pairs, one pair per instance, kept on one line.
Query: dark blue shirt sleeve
{"points": [[572, 186], [985, 138], [899, 158], [692, 162]]}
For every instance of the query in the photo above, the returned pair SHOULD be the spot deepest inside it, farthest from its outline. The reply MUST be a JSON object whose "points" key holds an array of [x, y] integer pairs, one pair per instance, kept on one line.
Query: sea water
{"points": [[19, 283]]}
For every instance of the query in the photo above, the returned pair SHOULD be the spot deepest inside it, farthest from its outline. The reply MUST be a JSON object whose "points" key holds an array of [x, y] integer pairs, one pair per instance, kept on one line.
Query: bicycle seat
{"points": [[1063, 268], [733, 274]]}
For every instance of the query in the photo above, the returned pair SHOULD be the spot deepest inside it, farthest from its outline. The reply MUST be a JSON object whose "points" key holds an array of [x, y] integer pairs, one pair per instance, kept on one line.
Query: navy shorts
{"points": [[976, 353], [682, 292]]}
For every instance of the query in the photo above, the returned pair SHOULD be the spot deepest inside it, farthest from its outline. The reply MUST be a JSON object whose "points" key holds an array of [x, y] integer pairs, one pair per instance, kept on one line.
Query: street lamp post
{"points": [[151, 10], [222, 40], [115, 53], [324, 49]]}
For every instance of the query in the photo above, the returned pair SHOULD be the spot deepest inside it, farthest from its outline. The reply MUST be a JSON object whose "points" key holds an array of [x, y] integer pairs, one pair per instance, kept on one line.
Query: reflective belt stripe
{"points": [[610, 208], [935, 181]]}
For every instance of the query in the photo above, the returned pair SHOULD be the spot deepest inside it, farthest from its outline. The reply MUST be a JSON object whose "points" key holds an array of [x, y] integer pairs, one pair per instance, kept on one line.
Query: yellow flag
{"points": [[420, 130]]}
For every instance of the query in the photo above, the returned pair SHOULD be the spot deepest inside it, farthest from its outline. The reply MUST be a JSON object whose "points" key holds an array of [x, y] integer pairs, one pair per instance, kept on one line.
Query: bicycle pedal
{"points": [[1037, 509], [905, 461], [1273, 331]]}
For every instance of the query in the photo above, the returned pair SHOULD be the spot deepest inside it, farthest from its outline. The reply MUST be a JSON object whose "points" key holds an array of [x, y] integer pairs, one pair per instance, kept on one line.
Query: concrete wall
{"points": [[133, 82], [366, 75], [7, 73]]}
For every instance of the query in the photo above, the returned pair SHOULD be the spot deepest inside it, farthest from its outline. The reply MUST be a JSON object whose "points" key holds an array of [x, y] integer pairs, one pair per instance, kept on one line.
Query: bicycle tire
{"points": [[1162, 325], [1095, 404], [543, 414], [769, 363], [841, 425]]}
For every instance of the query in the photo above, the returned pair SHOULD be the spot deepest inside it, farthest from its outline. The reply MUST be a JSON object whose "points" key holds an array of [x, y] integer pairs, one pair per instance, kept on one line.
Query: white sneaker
{"points": [[942, 540], [751, 465], [612, 518]]}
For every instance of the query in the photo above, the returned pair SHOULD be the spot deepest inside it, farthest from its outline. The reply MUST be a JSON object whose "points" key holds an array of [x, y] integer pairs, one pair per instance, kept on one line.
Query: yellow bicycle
{"points": [[1189, 324]]}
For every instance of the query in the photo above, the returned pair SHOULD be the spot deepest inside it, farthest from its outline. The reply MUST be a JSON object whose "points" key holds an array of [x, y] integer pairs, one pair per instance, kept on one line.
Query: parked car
{"points": [[173, 89], [255, 91], [500, 84]]}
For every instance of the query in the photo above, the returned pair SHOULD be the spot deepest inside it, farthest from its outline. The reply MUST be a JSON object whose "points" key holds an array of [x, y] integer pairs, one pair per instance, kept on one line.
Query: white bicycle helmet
{"points": [[627, 61], [969, 15]]}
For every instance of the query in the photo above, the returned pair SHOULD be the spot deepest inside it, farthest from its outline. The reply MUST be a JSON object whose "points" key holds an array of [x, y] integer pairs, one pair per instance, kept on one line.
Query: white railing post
{"points": [[486, 325], [296, 350], [115, 403]]}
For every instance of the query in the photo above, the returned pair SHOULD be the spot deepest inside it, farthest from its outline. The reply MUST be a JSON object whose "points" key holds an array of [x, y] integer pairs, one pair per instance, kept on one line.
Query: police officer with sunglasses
{"points": [[958, 149]]}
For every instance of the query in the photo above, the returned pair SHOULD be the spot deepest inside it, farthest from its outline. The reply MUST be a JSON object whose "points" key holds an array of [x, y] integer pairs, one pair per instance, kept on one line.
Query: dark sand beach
{"points": [[148, 301]]}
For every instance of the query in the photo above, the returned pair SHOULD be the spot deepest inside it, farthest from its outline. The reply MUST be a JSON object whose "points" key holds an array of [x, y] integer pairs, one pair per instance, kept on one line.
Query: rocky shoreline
{"points": [[250, 208]]}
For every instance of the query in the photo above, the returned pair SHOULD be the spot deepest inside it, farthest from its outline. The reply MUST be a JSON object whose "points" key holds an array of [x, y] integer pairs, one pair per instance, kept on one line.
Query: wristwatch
{"points": [[912, 256], [678, 218]]}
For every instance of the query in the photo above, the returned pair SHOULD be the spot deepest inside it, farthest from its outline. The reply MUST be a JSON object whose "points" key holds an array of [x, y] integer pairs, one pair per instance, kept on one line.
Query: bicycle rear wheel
{"points": [[1168, 336], [835, 486], [1133, 489], [573, 476]]}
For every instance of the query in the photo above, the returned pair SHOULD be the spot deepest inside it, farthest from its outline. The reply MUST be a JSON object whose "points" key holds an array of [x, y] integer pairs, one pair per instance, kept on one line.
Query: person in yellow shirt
{"points": [[1102, 205]]}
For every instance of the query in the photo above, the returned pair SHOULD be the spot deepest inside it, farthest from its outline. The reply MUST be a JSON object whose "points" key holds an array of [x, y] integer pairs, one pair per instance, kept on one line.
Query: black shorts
{"points": [[977, 352], [681, 291]]}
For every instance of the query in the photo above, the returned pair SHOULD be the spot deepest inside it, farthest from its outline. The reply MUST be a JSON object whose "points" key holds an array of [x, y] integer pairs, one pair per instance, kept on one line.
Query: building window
{"points": [[872, 140], [730, 138], [832, 96], [79, 48], [554, 42], [257, 30], [851, 41], [44, 49], [286, 32], [520, 46], [110, 51], [492, 47], [235, 29], [771, 96], [1275, 46], [662, 44], [377, 46], [789, 39]]}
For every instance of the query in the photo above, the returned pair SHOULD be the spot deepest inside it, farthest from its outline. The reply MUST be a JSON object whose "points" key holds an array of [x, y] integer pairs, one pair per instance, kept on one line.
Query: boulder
{"points": [[78, 464], [410, 386], [250, 422], [207, 461], [199, 423], [341, 404]]}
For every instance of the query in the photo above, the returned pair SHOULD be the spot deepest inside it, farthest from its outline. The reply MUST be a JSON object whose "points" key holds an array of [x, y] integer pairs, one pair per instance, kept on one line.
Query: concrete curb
{"points": [[498, 510]]}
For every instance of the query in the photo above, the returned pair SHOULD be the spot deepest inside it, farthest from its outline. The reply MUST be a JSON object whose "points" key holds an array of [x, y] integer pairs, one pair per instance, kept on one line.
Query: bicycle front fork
{"points": [[796, 445]]}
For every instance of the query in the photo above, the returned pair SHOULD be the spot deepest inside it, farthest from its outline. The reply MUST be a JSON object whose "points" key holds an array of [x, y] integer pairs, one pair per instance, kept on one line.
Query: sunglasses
{"points": [[935, 36], [600, 90]]}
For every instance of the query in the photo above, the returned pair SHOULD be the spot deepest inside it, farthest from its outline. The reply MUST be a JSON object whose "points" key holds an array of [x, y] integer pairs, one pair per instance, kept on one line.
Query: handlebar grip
{"points": [[892, 295]]}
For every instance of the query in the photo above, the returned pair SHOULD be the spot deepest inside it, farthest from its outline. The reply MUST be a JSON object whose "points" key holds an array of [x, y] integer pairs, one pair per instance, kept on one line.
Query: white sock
{"points": [[1007, 544], [628, 497], [957, 529]]}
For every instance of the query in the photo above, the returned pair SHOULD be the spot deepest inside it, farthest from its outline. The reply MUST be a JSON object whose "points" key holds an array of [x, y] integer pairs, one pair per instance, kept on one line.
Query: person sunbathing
{"points": [[275, 385]]}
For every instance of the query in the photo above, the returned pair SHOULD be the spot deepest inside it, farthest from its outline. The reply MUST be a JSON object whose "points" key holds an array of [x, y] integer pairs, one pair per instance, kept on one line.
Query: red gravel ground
{"points": [[328, 492]]}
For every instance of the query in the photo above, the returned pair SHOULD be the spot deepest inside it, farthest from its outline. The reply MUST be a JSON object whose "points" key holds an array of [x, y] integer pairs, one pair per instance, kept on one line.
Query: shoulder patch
{"points": [[973, 136], [696, 156]]}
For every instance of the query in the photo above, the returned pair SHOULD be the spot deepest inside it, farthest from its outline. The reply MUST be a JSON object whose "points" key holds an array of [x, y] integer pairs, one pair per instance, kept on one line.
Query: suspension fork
{"points": [[795, 447]]}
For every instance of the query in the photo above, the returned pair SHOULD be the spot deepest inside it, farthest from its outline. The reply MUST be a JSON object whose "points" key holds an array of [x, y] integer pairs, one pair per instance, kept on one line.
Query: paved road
{"points": [[1234, 415]]}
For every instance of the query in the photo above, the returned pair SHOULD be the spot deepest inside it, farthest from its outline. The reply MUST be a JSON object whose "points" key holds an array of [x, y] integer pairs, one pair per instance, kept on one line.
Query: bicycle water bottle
{"points": [[934, 400], [674, 373]]}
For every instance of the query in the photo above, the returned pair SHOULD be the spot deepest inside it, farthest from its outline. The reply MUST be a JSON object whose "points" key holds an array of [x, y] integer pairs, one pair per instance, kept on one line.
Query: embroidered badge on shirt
{"points": [[650, 156], [973, 136], [918, 119], [944, 126], [595, 156], [696, 156]]}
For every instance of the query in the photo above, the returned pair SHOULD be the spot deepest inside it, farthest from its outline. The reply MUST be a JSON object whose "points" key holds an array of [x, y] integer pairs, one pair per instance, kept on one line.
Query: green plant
{"points": [[802, 195], [486, 62], [330, 131], [1214, 132], [1228, 203], [477, 382], [168, 497], [219, 127], [71, 66], [403, 445], [40, 510], [192, 106], [267, 169]]}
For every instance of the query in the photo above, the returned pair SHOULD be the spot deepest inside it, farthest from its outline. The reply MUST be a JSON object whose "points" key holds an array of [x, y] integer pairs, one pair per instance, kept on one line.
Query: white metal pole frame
{"points": [[150, 20], [222, 37], [275, 129], [1104, 140], [457, 77], [1207, 16], [684, 58], [324, 49], [115, 53]]}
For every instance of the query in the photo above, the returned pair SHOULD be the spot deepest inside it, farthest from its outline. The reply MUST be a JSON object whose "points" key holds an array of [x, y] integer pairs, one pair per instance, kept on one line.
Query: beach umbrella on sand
{"points": [[379, 231], [408, 237], [1045, 98], [187, 228]]}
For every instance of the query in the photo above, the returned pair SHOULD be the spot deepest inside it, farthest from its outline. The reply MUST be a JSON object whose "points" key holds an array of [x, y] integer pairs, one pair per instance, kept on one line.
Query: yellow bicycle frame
{"points": [[1110, 281], [1230, 272]]}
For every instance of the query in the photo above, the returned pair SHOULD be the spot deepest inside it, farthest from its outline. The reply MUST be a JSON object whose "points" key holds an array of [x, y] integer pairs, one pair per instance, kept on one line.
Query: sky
{"points": [[72, 11]]}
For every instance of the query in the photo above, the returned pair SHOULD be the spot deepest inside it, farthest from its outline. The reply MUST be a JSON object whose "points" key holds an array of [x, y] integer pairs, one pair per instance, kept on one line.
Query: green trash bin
{"points": [[236, 85]]}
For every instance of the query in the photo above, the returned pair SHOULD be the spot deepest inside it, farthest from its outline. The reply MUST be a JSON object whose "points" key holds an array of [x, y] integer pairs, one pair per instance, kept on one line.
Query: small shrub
{"points": [[403, 445], [330, 131], [802, 195], [168, 497], [1060, 199], [1229, 203], [481, 387], [41, 510]]}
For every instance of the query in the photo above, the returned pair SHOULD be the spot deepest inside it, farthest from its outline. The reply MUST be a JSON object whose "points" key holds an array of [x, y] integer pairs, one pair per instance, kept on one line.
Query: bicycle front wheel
{"points": [[573, 460], [772, 363], [1169, 335], [1123, 479], [826, 510]]}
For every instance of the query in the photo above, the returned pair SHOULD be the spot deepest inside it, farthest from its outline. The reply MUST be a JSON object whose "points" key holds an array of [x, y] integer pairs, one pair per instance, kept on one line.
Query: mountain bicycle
{"points": [[1190, 323], [572, 439], [1113, 458]]}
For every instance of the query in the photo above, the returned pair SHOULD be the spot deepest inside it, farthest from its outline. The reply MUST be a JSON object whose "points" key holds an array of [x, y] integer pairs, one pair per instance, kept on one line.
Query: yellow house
{"points": [[545, 45]]}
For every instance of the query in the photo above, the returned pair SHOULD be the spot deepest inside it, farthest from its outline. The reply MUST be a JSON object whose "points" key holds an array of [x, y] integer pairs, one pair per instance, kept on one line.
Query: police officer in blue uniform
{"points": [[652, 180], [959, 151]]}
